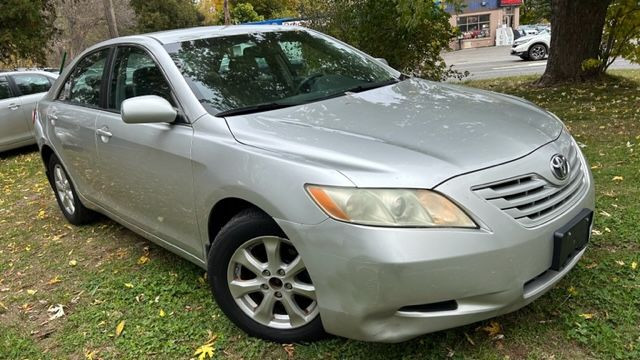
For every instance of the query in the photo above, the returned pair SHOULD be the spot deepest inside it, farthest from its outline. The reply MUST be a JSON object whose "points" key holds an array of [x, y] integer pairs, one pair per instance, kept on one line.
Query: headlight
{"points": [[389, 207], [518, 43]]}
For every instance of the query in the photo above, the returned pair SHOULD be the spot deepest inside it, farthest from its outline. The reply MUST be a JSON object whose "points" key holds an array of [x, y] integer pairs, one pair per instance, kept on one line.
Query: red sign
{"points": [[510, 2]]}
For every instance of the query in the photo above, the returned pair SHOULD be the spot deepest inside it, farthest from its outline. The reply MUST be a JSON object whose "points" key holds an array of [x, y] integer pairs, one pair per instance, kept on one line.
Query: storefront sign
{"points": [[510, 2]]}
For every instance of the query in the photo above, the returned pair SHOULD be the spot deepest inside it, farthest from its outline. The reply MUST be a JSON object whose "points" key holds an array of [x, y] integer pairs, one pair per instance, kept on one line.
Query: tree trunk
{"points": [[576, 34], [110, 15], [227, 14]]}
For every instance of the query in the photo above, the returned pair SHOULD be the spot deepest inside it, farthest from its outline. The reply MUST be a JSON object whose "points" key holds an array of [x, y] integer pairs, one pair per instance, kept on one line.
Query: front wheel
{"points": [[537, 52], [259, 280]]}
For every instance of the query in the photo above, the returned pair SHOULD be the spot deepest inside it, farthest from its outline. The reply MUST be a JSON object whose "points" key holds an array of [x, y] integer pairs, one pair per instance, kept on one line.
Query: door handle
{"points": [[13, 106], [104, 134], [52, 119]]}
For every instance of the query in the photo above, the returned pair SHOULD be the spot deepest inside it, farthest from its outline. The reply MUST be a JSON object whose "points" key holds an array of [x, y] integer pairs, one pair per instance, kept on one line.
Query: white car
{"points": [[534, 47], [19, 92]]}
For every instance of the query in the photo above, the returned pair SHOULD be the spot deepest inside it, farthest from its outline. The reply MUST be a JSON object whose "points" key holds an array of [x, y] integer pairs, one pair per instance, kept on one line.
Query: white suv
{"points": [[533, 47]]}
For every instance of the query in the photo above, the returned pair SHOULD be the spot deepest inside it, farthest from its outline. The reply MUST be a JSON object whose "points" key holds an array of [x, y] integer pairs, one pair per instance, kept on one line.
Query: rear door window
{"points": [[31, 83], [5, 90], [83, 86]]}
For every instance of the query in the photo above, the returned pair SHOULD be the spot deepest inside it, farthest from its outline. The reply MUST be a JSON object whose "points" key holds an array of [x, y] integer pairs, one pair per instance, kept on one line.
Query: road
{"points": [[492, 62]]}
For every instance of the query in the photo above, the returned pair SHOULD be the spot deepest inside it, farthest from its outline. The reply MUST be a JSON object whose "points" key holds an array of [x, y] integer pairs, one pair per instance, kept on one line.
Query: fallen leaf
{"points": [[289, 349], [586, 316], [128, 285], [204, 351], [32, 292], [73, 263], [617, 178], [620, 262], [55, 280], [493, 329], [572, 291], [56, 311], [162, 314], [120, 328], [143, 260], [634, 265]]}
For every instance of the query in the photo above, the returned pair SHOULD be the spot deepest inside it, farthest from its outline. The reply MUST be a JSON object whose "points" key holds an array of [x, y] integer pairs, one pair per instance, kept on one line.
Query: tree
{"points": [[621, 33], [110, 16], [79, 26], [157, 15], [535, 11], [409, 34], [244, 12], [26, 27], [272, 9], [576, 35], [227, 13]]}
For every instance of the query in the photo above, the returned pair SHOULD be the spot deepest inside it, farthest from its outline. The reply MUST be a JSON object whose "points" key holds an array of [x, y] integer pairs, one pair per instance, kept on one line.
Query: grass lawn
{"points": [[104, 275]]}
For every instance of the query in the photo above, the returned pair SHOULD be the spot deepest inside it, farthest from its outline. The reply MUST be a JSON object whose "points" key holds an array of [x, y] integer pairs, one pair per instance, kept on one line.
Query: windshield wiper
{"points": [[369, 86], [253, 109]]}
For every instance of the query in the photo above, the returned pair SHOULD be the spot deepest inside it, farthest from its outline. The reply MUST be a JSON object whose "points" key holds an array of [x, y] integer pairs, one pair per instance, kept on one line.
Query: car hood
{"points": [[415, 133]]}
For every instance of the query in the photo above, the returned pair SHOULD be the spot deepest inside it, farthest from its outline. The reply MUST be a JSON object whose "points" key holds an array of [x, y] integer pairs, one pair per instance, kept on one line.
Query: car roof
{"points": [[203, 32], [22, 72]]}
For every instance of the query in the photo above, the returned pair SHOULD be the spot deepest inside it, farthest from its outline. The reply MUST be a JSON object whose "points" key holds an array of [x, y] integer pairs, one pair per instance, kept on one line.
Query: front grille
{"points": [[531, 199]]}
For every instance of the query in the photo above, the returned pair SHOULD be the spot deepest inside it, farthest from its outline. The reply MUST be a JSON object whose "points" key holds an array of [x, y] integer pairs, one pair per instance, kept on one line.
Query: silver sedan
{"points": [[322, 190], [19, 92]]}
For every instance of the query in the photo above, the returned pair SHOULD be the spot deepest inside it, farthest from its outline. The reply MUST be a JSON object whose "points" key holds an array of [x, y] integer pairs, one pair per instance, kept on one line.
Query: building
{"points": [[480, 20]]}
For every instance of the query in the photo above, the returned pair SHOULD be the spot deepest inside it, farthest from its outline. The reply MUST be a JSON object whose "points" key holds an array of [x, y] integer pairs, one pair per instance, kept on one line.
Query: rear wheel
{"points": [[66, 195], [537, 52], [259, 280]]}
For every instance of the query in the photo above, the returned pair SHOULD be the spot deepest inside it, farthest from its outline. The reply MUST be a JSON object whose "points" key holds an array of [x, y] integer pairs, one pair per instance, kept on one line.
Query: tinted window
{"points": [[5, 90], [32, 83], [83, 85], [136, 74], [284, 67]]}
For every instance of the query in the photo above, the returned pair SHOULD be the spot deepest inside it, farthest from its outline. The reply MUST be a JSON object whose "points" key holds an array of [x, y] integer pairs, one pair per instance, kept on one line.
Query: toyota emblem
{"points": [[559, 167]]}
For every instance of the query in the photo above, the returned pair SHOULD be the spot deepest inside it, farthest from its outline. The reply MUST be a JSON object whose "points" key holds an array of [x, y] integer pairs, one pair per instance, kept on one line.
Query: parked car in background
{"points": [[320, 189], [19, 92], [533, 47]]}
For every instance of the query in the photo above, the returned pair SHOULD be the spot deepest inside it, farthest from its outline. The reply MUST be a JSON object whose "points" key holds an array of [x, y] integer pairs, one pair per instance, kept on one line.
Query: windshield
{"points": [[266, 70]]}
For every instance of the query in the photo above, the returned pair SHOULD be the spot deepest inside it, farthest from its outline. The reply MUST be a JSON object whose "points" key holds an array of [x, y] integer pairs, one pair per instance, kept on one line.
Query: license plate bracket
{"points": [[571, 239]]}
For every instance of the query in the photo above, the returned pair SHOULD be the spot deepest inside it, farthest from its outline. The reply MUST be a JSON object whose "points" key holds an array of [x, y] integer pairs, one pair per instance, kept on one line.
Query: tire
{"points": [[537, 52], [66, 195], [246, 238]]}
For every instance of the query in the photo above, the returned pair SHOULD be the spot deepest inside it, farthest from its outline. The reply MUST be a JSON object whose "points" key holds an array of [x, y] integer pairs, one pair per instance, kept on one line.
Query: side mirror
{"points": [[383, 60], [147, 109]]}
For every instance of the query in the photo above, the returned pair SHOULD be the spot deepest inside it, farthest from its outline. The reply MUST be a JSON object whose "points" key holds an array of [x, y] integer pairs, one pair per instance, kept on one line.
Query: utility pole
{"points": [[110, 15]]}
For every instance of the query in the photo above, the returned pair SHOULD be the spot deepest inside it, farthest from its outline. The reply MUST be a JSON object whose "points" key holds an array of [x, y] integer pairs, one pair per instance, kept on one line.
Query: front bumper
{"points": [[365, 275], [520, 50]]}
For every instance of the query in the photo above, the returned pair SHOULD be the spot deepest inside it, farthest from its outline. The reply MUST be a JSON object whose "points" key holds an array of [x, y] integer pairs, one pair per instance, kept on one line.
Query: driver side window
{"points": [[136, 74]]}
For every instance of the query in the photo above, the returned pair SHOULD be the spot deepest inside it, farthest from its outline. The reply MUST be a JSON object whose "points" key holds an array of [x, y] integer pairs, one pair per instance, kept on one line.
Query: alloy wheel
{"points": [[538, 52], [269, 282], [63, 189]]}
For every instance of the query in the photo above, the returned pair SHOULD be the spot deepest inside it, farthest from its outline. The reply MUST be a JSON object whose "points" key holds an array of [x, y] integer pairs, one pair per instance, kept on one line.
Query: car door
{"points": [[13, 128], [31, 88], [145, 169], [71, 120]]}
